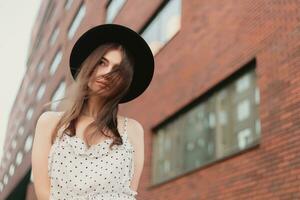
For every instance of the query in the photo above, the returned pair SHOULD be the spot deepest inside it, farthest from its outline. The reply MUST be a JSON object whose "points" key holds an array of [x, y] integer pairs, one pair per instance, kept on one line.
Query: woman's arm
{"points": [[39, 157], [136, 137]]}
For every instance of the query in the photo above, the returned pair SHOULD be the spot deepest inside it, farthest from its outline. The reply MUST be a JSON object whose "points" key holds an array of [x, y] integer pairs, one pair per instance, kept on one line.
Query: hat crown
{"points": [[144, 59]]}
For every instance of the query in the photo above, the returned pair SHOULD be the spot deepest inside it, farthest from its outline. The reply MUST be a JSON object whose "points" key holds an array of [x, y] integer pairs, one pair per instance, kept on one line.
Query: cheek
{"points": [[99, 70], [91, 84], [102, 70]]}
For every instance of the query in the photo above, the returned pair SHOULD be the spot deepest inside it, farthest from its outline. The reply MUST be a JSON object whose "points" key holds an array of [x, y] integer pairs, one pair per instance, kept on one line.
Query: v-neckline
{"points": [[93, 145], [122, 133], [99, 143]]}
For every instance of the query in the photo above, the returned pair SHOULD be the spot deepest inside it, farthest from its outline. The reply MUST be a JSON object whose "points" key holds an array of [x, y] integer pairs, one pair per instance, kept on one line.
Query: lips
{"points": [[100, 83]]}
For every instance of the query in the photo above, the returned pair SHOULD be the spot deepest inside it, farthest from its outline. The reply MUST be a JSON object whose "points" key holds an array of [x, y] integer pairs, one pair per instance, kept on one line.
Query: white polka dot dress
{"points": [[80, 173]]}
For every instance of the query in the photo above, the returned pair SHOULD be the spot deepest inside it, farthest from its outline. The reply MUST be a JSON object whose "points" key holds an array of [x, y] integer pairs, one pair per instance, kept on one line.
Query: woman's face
{"points": [[108, 61]]}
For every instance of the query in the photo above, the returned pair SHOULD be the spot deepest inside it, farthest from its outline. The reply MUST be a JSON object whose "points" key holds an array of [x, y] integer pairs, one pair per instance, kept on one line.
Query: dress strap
{"points": [[125, 125], [125, 135]]}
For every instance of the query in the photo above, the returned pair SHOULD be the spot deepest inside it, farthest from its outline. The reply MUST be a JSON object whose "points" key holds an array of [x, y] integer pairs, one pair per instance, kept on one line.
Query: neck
{"points": [[92, 106]]}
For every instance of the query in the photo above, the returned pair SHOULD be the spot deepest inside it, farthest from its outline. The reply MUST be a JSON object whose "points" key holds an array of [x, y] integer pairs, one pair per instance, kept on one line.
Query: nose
{"points": [[103, 71]]}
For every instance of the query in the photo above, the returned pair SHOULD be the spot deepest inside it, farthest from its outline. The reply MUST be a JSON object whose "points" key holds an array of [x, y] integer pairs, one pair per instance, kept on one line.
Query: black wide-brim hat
{"points": [[144, 59]]}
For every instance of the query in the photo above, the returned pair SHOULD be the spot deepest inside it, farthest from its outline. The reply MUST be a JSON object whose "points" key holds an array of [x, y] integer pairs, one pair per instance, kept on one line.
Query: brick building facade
{"points": [[221, 116]]}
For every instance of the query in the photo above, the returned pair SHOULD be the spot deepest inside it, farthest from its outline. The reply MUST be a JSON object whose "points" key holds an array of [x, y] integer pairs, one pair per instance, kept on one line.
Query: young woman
{"points": [[88, 150]]}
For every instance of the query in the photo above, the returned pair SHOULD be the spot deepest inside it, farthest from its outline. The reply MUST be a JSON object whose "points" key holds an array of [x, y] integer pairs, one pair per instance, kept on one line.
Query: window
{"points": [[28, 143], [11, 170], [40, 66], [113, 8], [68, 4], [76, 21], [55, 62], [5, 179], [14, 143], [21, 131], [163, 26], [54, 35], [223, 124], [49, 11], [39, 42], [29, 113], [30, 88], [19, 158], [58, 94], [41, 91]]}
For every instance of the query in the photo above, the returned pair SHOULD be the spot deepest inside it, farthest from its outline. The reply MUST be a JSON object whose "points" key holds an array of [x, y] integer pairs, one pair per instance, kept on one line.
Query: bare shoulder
{"points": [[135, 131], [48, 120], [135, 125], [49, 116], [52, 115]]}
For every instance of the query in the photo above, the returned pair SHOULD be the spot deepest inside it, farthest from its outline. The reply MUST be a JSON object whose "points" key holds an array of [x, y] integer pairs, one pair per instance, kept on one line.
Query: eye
{"points": [[100, 62]]}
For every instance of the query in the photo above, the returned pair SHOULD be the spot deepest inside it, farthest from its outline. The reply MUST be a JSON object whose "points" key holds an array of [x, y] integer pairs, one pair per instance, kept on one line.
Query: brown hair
{"points": [[118, 82]]}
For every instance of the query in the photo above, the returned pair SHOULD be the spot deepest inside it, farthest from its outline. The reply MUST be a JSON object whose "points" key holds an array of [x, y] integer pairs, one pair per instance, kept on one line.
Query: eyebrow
{"points": [[108, 61]]}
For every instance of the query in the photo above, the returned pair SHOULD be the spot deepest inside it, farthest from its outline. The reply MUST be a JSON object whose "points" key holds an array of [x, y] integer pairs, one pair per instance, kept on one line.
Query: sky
{"points": [[16, 19]]}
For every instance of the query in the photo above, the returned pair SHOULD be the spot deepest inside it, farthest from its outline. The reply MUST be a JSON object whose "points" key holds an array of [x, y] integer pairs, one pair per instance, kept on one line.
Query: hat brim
{"points": [[144, 59]]}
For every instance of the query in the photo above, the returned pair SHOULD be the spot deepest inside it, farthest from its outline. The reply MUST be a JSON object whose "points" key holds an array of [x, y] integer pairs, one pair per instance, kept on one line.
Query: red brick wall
{"points": [[216, 39]]}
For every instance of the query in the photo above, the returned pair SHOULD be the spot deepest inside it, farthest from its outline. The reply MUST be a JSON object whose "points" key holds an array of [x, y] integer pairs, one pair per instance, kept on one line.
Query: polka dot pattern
{"points": [[95, 173]]}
